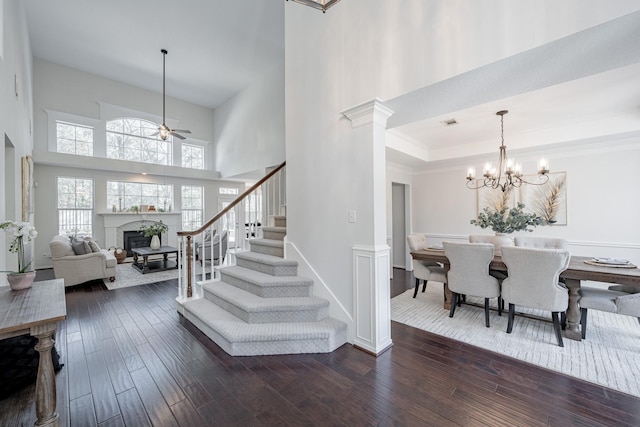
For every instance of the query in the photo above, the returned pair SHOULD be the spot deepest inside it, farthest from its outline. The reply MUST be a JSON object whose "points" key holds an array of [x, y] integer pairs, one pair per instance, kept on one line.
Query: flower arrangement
{"points": [[508, 220], [153, 229], [20, 231]]}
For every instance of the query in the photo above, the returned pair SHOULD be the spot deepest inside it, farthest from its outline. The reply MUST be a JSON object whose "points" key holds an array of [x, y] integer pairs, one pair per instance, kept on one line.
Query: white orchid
{"points": [[20, 231]]}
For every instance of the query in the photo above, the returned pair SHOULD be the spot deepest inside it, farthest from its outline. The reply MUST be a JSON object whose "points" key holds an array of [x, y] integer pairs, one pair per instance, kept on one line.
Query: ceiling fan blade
{"points": [[181, 130], [177, 135]]}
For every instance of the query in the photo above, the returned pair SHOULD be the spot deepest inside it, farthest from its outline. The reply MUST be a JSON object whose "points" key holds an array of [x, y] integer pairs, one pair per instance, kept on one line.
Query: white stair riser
{"points": [[280, 222]]}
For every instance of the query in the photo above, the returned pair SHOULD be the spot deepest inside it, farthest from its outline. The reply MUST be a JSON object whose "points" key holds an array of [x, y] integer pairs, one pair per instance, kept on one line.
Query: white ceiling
{"points": [[215, 48]]}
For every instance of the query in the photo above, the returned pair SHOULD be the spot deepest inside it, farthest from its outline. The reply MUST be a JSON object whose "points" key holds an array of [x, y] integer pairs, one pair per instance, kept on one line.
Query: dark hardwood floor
{"points": [[131, 360]]}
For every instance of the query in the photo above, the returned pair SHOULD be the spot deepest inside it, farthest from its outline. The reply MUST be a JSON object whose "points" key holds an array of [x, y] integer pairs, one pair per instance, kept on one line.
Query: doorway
{"points": [[400, 222]]}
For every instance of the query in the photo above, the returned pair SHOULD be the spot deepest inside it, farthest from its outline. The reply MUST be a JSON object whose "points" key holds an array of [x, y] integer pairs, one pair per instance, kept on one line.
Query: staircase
{"points": [[260, 306]]}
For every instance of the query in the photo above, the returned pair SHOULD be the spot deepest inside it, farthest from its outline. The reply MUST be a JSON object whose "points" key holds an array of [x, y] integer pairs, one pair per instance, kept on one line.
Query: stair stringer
{"points": [[336, 309]]}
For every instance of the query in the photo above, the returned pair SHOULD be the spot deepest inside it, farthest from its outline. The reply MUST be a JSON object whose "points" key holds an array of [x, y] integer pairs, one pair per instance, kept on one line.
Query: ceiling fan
{"points": [[164, 131]]}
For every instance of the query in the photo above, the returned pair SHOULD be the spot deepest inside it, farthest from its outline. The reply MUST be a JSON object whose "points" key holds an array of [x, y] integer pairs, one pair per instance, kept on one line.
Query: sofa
{"points": [[91, 264]]}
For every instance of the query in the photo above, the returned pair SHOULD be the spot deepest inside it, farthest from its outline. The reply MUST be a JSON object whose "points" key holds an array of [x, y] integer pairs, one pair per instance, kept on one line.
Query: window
{"points": [[225, 190], [75, 205], [192, 207], [192, 156], [136, 194], [74, 139], [136, 140]]}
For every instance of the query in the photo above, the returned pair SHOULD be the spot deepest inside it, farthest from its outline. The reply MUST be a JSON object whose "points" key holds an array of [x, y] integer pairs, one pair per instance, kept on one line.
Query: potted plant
{"points": [[505, 221], [153, 230], [21, 232]]}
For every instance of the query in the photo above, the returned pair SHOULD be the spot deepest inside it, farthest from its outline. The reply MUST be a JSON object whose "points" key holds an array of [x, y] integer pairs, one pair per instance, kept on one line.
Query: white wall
{"points": [[15, 116], [602, 199], [71, 91], [249, 128], [362, 49]]}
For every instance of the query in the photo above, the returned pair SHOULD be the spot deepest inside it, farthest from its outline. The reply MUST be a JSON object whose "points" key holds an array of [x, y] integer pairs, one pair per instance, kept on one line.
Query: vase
{"points": [[19, 281], [499, 240], [155, 243]]}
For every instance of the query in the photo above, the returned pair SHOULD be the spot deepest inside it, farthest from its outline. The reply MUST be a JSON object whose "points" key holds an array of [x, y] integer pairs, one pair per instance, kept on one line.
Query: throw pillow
{"points": [[93, 245], [78, 247]]}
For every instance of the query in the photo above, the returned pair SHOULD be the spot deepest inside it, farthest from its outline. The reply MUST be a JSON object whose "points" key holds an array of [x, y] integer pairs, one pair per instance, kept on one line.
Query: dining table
{"points": [[581, 268]]}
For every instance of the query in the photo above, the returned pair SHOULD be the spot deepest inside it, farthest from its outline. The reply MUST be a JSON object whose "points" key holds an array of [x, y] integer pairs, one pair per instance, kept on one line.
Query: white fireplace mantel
{"points": [[115, 223]]}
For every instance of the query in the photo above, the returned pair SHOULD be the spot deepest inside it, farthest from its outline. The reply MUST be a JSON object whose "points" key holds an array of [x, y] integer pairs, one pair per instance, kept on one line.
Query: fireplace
{"points": [[135, 239]]}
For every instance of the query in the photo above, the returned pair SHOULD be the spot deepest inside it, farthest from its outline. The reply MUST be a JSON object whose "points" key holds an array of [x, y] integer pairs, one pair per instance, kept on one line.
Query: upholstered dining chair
{"points": [[469, 274], [534, 281], [619, 299], [540, 242], [487, 238], [424, 270]]}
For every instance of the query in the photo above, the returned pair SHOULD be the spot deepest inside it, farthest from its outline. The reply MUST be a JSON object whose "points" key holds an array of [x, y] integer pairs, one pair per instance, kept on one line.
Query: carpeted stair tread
{"points": [[262, 279], [266, 259], [234, 329], [275, 229], [250, 302], [267, 242]]}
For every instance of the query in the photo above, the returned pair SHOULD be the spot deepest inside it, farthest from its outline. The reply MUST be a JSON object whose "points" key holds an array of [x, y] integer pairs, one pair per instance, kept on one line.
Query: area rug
{"points": [[127, 276], [610, 356]]}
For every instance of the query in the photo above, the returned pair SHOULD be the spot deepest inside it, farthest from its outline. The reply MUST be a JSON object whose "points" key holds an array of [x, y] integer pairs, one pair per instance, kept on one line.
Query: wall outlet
{"points": [[352, 216]]}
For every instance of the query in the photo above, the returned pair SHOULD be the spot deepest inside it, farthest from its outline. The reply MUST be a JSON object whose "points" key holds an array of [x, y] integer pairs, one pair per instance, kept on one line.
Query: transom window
{"points": [[133, 196], [192, 207], [227, 190], [137, 140], [192, 156], [74, 139], [75, 205]]}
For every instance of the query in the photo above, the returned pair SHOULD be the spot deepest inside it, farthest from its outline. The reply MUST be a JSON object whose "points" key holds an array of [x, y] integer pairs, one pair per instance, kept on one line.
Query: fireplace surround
{"points": [[116, 223]]}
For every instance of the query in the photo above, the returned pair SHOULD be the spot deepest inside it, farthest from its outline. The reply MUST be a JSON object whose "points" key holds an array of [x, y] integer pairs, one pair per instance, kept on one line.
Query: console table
{"points": [[36, 311]]}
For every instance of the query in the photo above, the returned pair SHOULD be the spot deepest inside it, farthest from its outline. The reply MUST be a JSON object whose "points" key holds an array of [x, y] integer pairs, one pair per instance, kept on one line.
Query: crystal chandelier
{"points": [[322, 5], [508, 173]]}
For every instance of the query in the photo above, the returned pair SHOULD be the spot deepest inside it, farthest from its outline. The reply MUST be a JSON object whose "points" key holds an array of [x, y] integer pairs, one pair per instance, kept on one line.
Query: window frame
{"points": [[86, 212], [186, 211]]}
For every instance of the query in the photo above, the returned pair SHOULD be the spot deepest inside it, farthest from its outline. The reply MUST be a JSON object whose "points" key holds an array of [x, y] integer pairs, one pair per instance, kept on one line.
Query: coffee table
{"points": [[153, 266]]}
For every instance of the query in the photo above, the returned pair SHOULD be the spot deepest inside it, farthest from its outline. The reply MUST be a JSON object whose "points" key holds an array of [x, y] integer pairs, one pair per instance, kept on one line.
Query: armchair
{"points": [[219, 246], [75, 269]]}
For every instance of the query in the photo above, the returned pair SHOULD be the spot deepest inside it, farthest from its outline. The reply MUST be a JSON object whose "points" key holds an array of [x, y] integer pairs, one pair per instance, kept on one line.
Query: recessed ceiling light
{"points": [[449, 122]]}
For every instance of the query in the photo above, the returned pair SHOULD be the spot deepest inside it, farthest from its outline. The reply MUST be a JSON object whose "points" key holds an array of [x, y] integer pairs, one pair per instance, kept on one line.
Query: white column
{"points": [[371, 294]]}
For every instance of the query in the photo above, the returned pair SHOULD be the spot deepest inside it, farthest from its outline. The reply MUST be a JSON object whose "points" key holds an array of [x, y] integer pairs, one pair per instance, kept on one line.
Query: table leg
{"points": [[573, 311], [165, 258], [46, 380], [145, 264], [447, 293]]}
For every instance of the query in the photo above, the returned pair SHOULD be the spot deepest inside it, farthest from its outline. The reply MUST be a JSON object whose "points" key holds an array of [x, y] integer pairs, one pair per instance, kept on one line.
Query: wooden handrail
{"points": [[234, 203]]}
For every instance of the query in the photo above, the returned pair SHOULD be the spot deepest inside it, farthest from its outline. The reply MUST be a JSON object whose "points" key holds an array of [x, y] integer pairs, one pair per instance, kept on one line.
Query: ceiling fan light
{"points": [[164, 132]]}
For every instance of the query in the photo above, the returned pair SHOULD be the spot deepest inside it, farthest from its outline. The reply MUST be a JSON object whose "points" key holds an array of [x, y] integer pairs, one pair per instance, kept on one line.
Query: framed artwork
{"points": [[27, 179], [494, 198], [548, 200]]}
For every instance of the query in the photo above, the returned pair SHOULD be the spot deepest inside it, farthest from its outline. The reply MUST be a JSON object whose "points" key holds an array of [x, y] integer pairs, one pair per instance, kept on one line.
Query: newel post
{"points": [[189, 288], [370, 257]]}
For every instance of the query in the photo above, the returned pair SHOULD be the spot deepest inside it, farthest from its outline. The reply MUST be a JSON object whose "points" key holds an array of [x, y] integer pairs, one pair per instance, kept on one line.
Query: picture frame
{"points": [[548, 200]]}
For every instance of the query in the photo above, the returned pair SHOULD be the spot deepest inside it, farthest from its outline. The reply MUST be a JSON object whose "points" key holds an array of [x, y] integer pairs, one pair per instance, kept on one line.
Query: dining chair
{"points": [[425, 270], [540, 242], [488, 238], [534, 281], [619, 299], [469, 274]]}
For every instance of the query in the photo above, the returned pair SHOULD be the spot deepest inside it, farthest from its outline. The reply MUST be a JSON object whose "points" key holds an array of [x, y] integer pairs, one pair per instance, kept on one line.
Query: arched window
{"points": [[137, 140]]}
